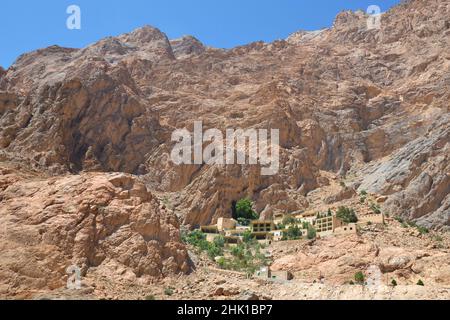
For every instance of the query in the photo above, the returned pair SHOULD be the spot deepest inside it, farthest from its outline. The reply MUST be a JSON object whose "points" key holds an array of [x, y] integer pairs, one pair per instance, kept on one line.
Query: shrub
{"points": [[346, 215], [150, 298], [399, 219], [394, 283], [342, 184], [222, 263], [312, 233], [195, 237], [168, 291], [247, 237], [420, 283], [359, 277], [214, 251], [423, 230], [363, 193], [375, 208], [238, 251], [220, 241]]}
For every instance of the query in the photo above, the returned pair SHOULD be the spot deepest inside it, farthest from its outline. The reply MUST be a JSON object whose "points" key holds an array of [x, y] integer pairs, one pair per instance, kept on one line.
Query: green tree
{"points": [[420, 283], [312, 233], [280, 226], [293, 233], [288, 220], [245, 212], [394, 283], [347, 215], [195, 238]]}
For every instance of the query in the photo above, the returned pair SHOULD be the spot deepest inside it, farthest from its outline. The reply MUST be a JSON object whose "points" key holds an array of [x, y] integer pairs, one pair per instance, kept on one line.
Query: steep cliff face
{"points": [[349, 100]]}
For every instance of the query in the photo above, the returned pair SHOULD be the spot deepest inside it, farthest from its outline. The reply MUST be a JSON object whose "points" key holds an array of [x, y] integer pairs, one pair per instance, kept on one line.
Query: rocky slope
{"points": [[107, 222], [368, 107]]}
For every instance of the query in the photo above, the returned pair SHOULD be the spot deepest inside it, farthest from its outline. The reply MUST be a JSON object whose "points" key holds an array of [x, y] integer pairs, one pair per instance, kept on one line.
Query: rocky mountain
{"points": [[369, 106]]}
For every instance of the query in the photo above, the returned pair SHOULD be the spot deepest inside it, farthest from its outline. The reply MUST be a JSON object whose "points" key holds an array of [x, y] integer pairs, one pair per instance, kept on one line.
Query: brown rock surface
{"points": [[93, 221]]}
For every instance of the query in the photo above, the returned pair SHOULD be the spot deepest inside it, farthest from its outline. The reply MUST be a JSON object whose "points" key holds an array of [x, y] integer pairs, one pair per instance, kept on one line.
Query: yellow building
{"points": [[325, 224], [224, 224], [350, 228], [261, 230]]}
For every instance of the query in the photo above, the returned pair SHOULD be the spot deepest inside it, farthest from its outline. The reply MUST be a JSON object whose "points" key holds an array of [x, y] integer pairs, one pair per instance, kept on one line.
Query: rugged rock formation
{"points": [[93, 221], [345, 99], [368, 107], [417, 177], [186, 46]]}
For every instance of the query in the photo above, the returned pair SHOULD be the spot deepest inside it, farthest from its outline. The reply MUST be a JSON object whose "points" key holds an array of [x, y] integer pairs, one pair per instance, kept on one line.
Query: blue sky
{"points": [[27, 25]]}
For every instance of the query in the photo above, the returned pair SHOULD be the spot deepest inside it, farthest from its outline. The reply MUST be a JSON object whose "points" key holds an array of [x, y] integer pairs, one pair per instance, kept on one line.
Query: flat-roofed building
{"points": [[266, 274], [324, 224], [350, 228], [306, 216], [210, 229], [258, 226]]}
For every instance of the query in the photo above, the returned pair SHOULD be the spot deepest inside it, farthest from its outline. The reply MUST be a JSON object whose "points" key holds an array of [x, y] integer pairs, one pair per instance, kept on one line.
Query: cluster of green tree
{"points": [[292, 233], [198, 239], [244, 213], [347, 215], [288, 221], [324, 215], [244, 257]]}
